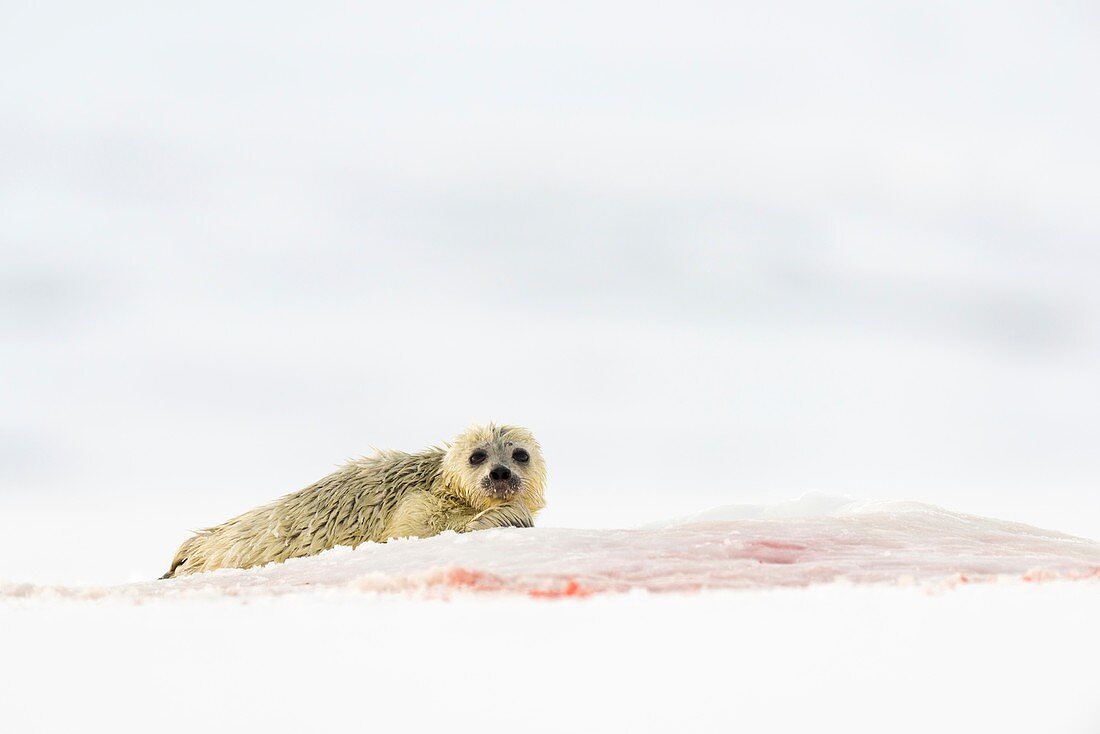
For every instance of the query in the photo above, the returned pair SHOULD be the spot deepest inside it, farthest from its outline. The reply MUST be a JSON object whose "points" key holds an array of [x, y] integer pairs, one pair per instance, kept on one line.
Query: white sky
{"points": [[709, 253]]}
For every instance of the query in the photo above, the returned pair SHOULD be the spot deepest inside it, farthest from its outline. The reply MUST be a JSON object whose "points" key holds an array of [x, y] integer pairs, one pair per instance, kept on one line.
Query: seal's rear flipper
{"points": [[172, 571]]}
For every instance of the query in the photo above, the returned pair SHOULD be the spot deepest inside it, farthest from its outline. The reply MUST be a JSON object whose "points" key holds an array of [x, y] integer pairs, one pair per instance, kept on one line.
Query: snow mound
{"points": [[817, 539]]}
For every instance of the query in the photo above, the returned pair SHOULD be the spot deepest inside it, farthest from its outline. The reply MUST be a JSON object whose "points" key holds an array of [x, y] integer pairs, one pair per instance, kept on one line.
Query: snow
{"points": [[816, 539], [995, 657], [820, 614]]}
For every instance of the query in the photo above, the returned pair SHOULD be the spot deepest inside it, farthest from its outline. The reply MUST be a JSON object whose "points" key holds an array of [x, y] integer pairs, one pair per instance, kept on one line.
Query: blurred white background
{"points": [[710, 253]]}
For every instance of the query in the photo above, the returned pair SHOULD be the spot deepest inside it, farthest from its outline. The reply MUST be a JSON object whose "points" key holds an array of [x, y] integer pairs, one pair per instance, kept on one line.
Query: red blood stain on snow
{"points": [[468, 579], [774, 551], [471, 580], [571, 588]]}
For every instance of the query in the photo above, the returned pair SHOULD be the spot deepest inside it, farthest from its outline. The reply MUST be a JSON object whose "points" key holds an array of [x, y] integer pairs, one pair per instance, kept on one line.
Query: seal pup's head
{"points": [[492, 465]]}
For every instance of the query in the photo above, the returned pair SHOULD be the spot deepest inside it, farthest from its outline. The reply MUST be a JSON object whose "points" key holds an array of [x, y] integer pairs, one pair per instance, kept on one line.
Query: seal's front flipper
{"points": [[506, 516]]}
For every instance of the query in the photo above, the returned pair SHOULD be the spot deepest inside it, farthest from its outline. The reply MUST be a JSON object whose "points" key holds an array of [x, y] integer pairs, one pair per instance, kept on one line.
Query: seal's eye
{"points": [[521, 456], [478, 457]]}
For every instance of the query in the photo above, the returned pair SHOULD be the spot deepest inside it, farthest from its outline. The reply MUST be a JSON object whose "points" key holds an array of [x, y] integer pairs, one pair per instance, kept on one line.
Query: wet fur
{"points": [[391, 494]]}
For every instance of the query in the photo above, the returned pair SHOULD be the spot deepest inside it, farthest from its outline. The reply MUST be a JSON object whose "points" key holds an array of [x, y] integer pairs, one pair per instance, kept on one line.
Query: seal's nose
{"points": [[500, 473]]}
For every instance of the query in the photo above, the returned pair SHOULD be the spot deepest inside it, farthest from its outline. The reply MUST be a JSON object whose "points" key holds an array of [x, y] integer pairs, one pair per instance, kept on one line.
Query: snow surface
{"points": [[816, 539], [822, 614]]}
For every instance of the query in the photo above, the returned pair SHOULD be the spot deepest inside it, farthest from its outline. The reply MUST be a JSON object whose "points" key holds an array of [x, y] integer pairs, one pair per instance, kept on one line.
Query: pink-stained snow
{"points": [[810, 541]]}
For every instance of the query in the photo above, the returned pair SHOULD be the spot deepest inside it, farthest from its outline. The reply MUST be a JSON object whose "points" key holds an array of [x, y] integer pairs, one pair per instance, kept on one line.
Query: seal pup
{"points": [[490, 476]]}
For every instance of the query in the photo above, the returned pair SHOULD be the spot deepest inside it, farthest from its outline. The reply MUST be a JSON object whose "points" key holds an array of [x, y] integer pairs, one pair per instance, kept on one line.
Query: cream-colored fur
{"points": [[391, 494]]}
